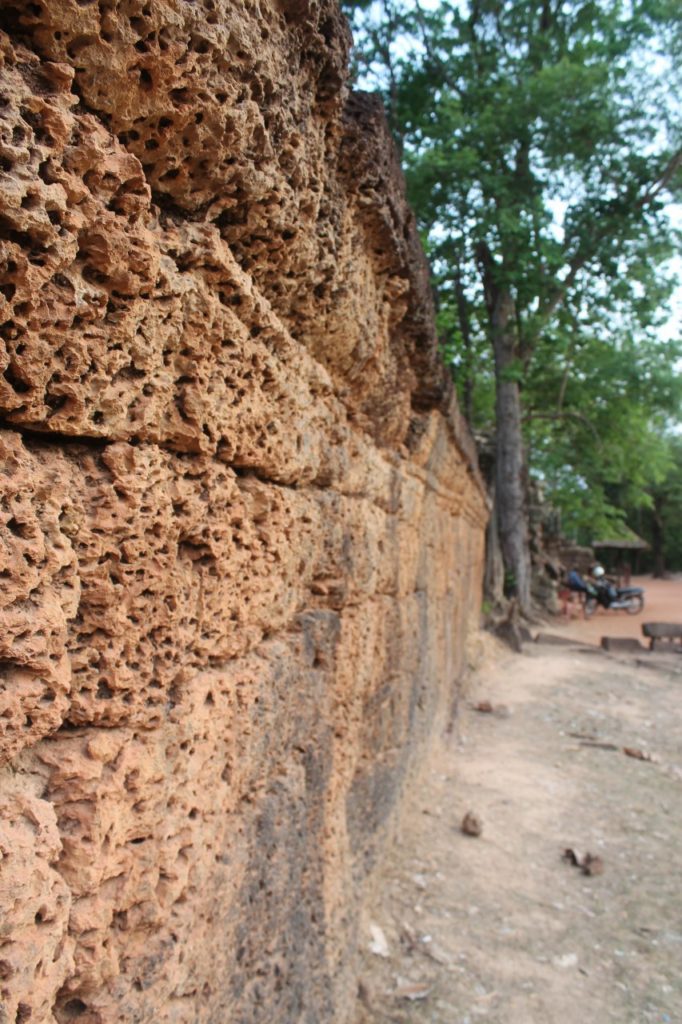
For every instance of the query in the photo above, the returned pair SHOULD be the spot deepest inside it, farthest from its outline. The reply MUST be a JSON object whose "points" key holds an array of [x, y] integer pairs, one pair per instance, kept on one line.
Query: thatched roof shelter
{"points": [[633, 544]]}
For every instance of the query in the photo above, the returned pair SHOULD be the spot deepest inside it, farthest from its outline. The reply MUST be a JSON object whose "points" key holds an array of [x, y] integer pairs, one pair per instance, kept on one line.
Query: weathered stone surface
{"points": [[40, 594], [241, 525], [35, 945]]}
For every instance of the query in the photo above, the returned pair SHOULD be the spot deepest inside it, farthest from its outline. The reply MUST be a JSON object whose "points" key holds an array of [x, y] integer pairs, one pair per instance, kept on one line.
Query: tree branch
{"points": [[583, 253], [567, 415], [437, 61], [666, 177]]}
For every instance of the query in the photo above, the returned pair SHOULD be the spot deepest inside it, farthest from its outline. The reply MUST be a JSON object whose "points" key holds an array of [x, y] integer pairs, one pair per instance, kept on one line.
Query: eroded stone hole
{"points": [[104, 691], [18, 529], [74, 1008], [37, 259], [130, 136], [18, 385], [45, 172], [80, 43], [35, 122], [199, 44], [56, 403]]}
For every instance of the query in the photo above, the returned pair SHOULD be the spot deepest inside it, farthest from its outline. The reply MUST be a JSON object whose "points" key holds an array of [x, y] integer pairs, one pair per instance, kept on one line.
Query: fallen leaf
{"points": [[592, 865], [378, 944], [471, 824], [363, 994], [434, 952], [413, 991], [567, 960], [639, 754], [408, 938]]}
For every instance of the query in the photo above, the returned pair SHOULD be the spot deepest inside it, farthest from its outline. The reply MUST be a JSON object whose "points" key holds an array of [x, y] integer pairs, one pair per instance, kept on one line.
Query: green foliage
{"points": [[596, 425], [547, 137], [669, 493], [658, 521]]}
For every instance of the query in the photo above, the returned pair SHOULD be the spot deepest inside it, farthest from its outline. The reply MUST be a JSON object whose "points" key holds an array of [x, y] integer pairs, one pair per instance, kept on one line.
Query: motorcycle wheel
{"points": [[634, 604], [590, 607]]}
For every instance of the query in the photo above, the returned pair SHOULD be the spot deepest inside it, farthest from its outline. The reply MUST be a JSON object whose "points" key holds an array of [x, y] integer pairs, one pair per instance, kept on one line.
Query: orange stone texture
{"points": [[241, 524]]}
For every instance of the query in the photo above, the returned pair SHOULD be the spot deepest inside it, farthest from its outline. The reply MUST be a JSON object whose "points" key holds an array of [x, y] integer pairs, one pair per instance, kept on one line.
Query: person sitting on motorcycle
{"points": [[575, 582], [606, 589], [604, 592], [571, 592]]}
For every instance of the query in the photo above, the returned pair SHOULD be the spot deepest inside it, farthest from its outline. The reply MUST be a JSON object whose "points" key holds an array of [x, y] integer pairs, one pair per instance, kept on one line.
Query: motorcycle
{"points": [[629, 599]]}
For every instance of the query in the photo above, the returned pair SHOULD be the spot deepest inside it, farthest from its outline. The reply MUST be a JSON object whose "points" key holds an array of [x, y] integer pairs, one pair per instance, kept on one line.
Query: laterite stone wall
{"points": [[241, 526]]}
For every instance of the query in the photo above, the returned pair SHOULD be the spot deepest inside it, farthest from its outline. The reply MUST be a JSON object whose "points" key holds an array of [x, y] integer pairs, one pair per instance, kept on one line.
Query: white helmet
{"points": [[598, 572]]}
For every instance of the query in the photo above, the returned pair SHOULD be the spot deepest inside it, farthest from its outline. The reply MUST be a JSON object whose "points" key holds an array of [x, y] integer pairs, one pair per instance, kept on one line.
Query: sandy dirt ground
{"points": [[499, 927]]}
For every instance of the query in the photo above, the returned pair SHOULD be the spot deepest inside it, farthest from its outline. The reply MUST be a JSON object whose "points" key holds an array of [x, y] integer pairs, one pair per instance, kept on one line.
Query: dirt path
{"points": [[500, 928]]}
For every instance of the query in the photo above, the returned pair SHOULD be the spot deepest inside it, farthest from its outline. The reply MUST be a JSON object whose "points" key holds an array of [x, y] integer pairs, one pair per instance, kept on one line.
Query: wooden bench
{"points": [[663, 634]]}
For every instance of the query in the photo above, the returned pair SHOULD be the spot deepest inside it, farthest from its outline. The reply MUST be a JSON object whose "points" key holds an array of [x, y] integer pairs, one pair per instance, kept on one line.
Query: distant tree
{"points": [[596, 412], [542, 143], [659, 520]]}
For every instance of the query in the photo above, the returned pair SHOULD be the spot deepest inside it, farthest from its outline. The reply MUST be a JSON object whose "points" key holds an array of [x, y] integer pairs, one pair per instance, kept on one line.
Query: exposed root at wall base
{"points": [[240, 520]]}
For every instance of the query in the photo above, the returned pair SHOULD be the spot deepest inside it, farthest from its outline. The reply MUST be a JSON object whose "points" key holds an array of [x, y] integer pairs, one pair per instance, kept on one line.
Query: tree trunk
{"points": [[465, 331], [493, 584], [657, 540], [510, 469], [510, 476]]}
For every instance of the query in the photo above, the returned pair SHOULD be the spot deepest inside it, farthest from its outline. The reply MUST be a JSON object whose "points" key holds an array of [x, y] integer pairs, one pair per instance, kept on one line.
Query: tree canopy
{"points": [[542, 144]]}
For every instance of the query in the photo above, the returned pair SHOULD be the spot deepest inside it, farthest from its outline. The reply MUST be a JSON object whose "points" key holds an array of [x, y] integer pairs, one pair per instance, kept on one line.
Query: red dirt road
{"points": [[662, 603]]}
